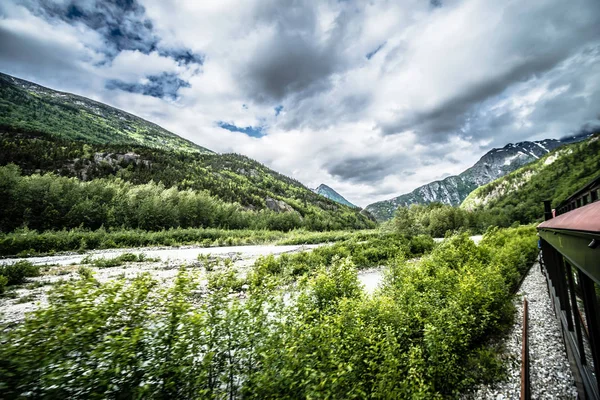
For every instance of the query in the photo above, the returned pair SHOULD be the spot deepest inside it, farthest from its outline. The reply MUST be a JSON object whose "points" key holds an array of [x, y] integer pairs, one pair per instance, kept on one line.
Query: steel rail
{"points": [[525, 382]]}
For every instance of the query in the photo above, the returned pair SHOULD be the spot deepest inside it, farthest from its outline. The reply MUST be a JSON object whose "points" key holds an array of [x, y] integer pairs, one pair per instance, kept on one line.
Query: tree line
{"points": [[46, 202]]}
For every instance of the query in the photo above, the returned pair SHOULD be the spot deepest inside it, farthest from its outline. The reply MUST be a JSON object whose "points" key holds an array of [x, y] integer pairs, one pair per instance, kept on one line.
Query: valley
{"points": [[137, 264]]}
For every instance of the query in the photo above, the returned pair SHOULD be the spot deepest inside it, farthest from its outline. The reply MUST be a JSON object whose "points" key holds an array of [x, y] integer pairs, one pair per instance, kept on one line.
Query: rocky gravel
{"points": [[179, 254], [33, 294], [550, 373]]}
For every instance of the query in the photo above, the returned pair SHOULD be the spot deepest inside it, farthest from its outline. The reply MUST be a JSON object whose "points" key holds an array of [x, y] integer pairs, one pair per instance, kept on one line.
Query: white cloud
{"points": [[446, 84], [133, 65]]}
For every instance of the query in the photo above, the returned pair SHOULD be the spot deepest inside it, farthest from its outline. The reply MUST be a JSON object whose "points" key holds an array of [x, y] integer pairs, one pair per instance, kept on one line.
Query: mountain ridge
{"points": [[518, 196], [49, 133], [494, 164], [28, 106]]}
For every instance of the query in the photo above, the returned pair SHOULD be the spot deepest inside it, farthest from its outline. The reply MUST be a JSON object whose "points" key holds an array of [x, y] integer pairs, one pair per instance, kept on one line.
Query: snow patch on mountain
{"points": [[454, 189]]}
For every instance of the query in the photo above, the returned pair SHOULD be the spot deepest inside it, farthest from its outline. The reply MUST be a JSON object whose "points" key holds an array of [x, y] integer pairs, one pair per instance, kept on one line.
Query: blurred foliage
{"points": [[101, 262], [422, 335], [26, 242], [434, 219], [16, 273], [364, 252]]}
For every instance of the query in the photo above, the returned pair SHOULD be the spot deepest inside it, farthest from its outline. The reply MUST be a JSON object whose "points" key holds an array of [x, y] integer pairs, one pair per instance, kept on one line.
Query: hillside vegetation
{"points": [[519, 196], [30, 107], [74, 170]]}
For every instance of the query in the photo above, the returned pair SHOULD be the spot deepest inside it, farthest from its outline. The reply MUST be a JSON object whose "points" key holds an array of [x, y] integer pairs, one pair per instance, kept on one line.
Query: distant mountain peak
{"points": [[331, 194], [492, 165]]}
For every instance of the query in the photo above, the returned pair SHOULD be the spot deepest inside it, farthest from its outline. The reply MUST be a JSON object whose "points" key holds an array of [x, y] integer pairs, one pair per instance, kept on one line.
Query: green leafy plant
{"points": [[16, 273], [423, 335]]}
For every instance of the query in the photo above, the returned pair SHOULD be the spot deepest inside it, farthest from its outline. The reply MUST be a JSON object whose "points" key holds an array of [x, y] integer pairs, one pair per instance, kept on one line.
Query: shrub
{"points": [[3, 283], [17, 273], [422, 336], [116, 261]]}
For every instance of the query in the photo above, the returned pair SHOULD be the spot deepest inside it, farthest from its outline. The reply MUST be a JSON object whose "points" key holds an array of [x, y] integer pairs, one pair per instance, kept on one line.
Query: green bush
{"points": [[25, 240], [422, 335], [3, 283], [116, 261], [17, 273], [49, 201]]}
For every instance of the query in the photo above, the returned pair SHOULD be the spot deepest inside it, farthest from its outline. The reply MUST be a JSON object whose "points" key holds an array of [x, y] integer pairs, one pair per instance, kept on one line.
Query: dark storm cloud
{"points": [[373, 168], [431, 125], [122, 23], [289, 64], [323, 113], [575, 105], [32, 57], [368, 168], [30, 51], [165, 85], [359, 169], [295, 59], [550, 36], [587, 129]]}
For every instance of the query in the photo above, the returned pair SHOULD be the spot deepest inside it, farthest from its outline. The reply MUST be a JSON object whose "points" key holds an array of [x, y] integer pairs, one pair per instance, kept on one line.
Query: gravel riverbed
{"points": [[550, 374], [33, 294]]}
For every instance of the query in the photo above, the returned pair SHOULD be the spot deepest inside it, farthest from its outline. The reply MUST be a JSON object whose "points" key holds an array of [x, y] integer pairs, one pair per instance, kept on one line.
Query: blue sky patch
{"points": [[163, 86], [278, 110], [183, 56], [252, 131]]}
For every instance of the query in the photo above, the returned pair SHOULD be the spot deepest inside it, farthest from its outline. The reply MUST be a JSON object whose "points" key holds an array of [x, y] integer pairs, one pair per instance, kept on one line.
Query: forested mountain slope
{"points": [[454, 189], [519, 195], [30, 107], [241, 191]]}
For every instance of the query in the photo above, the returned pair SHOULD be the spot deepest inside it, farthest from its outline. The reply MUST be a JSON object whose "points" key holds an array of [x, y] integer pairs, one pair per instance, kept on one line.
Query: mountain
{"points": [[519, 195], [328, 192], [26, 106], [454, 189], [43, 131]]}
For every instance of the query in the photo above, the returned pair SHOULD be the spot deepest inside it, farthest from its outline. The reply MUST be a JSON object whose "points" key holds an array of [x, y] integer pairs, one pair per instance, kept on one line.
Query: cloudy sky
{"points": [[373, 98]]}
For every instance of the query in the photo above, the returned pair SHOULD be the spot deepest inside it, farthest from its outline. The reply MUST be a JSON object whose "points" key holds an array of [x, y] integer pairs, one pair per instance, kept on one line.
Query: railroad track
{"points": [[525, 383]]}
